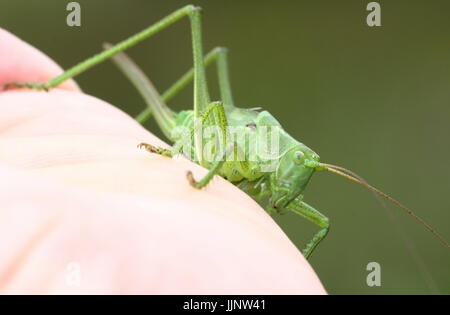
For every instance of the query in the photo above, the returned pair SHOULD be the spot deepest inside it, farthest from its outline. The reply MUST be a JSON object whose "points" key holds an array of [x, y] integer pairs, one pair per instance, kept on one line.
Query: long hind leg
{"points": [[218, 55], [201, 95], [164, 116]]}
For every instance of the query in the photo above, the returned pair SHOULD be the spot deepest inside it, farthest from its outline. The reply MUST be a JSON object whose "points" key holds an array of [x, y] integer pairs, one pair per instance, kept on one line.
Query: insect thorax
{"points": [[255, 143]]}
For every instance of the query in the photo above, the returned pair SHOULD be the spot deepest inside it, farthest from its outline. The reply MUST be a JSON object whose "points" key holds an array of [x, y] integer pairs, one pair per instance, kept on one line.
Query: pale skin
{"points": [[75, 188]]}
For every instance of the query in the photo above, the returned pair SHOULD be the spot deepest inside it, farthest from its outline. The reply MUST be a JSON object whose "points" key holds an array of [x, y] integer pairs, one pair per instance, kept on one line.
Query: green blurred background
{"points": [[375, 100]]}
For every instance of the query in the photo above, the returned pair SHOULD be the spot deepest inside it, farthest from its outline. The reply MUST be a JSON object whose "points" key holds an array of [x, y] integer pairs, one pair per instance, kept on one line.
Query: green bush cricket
{"points": [[278, 189]]}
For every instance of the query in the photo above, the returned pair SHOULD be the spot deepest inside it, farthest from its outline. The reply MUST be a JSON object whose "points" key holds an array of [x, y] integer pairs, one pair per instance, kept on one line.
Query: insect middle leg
{"points": [[313, 215]]}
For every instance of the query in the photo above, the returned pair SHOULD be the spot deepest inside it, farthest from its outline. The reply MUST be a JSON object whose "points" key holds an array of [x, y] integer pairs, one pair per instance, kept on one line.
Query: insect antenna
{"points": [[358, 179]]}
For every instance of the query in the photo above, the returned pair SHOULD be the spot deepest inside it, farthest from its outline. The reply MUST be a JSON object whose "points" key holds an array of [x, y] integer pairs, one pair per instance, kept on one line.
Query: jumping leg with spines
{"points": [[164, 115], [218, 55], [156, 103], [201, 94], [201, 98], [308, 212]]}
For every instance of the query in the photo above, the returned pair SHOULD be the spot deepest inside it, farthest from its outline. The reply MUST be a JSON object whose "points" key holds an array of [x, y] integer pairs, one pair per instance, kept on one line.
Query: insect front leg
{"points": [[308, 212], [154, 149]]}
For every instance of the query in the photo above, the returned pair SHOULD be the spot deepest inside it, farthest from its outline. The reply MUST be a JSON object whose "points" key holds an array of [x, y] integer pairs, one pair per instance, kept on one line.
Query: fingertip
{"points": [[19, 61]]}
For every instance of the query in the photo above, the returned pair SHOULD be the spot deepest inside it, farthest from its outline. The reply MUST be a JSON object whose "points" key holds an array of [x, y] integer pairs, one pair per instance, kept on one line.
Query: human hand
{"points": [[82, 210]]}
